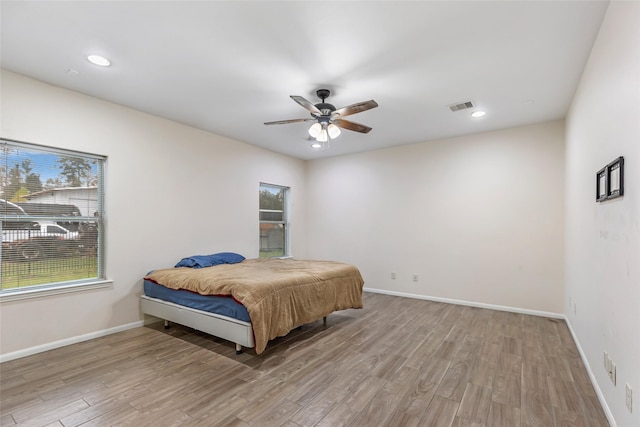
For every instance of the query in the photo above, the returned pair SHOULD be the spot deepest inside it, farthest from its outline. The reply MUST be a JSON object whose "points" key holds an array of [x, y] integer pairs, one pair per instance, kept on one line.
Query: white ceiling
{"points": [[229, 66]]}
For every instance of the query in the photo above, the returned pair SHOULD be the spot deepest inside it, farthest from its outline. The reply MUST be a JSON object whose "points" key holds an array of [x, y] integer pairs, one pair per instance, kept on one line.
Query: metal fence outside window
{"points": [[25, 273]]}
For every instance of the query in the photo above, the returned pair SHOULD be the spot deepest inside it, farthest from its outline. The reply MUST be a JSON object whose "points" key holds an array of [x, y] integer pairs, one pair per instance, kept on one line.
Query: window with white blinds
{"points": [[274, 230], [51, 207]]}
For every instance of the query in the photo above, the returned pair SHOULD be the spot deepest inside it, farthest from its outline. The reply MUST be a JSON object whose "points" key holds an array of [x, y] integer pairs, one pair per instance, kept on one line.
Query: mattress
{"points": [[224, 305]]}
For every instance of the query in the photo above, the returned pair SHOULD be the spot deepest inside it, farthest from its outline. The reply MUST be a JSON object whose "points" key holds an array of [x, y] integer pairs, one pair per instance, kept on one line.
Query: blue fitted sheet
{"points": [[224, 305]]}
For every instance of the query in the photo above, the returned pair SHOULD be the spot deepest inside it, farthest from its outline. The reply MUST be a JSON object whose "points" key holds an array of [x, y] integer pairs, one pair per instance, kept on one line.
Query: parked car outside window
{"points": [[48, 239]]}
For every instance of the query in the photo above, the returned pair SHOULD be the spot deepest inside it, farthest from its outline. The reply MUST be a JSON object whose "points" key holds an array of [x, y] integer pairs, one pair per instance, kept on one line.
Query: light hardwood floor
{"points": [[397, 362]]}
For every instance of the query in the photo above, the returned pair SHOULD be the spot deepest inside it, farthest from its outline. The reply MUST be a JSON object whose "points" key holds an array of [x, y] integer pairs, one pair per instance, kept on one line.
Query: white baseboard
{"points": [[469, 303], [67, 341], [592, 377]]}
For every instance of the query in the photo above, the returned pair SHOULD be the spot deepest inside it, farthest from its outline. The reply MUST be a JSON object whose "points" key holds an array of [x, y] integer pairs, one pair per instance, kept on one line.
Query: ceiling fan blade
{"points": [[284, 122], [346, 124], [355, 108], [307, 104]]}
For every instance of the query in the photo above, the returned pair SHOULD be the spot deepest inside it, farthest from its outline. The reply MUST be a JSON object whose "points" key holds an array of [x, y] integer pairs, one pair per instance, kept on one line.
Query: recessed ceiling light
{"points": [[316, 145], [99, 60], [478, 113]]}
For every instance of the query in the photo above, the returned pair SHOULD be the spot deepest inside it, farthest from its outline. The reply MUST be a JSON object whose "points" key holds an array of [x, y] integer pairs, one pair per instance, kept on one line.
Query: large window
{"points": [[51, 207], [273, 221]]}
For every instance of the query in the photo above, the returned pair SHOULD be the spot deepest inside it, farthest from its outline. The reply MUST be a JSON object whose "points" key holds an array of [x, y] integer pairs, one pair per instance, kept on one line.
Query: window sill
{"points": [[8, 296]]}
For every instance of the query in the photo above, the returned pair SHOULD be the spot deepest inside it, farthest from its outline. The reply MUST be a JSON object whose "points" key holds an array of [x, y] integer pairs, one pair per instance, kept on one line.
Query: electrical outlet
{"points": [[393, 276], [613, 373], [629, 399], [415, 277], [610, 367]]}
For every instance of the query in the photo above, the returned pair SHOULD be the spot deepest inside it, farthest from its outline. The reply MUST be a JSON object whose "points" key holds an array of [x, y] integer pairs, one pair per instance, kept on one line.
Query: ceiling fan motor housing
{"points": [[325, 107]]}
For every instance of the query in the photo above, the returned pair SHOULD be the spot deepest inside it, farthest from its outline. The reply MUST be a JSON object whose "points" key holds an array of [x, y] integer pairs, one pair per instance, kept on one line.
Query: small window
{"points": [[51, 210], [273, 221]]}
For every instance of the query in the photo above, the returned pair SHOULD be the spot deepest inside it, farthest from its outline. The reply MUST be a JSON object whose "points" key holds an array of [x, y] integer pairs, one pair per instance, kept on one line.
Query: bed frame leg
{"points": [[238, 349], [324, 321], [166, 324]]}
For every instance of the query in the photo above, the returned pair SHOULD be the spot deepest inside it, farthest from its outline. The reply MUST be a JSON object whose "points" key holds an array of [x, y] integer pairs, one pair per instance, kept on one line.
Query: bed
{"points": [[253, 301]]}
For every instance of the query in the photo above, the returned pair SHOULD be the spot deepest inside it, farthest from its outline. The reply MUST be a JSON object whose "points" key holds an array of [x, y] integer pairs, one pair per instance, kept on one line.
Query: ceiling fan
{"points": [[328, 120]]}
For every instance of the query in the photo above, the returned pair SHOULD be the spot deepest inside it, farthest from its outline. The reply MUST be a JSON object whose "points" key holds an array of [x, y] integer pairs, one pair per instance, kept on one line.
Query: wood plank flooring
{"points": [[397, 362]]}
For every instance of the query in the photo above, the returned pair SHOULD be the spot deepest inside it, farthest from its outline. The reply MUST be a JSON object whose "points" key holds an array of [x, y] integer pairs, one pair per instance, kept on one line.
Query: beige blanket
{"points": [[279, 294]]}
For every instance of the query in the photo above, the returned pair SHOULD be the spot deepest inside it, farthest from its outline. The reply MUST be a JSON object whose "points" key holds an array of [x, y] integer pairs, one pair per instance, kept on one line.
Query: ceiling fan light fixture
{"points": [[334, 131], [323, 137], [315, 130]]}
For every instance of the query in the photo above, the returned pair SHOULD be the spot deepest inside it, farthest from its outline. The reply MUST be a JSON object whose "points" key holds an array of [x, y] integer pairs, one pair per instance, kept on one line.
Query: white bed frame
{"points": [[236, 331], [228, 328]]}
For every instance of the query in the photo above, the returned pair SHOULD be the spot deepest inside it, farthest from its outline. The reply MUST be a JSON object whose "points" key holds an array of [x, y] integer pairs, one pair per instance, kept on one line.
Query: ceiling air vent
{"points": [[461, 106]]}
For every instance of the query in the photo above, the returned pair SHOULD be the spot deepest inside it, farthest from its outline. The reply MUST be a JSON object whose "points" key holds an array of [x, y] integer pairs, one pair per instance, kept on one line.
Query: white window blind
{"points": [[52, 210]]}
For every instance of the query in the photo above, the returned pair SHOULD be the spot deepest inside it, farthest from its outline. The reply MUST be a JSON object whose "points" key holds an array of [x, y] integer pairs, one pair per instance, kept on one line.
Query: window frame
{"points": [[286, 252], [54, 288]]}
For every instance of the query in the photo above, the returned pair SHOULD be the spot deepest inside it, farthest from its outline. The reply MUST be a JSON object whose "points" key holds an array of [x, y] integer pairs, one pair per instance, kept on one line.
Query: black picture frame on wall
{"points": [[615, 178], [610, 180], [602, 189]]}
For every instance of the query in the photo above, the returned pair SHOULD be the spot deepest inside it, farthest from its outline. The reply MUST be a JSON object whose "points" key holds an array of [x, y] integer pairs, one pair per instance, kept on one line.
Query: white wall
{"points": [[603, 239], [171, 191], [478, 218]]}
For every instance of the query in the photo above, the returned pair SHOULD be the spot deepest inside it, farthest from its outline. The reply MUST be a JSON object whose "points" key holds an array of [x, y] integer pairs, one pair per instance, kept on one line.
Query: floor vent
{"points": [[461, 106]]}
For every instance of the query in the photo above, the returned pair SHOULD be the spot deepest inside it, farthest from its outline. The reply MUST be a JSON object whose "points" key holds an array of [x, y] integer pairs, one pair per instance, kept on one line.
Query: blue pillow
{"points": [[229, 257], [202, 261]]}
